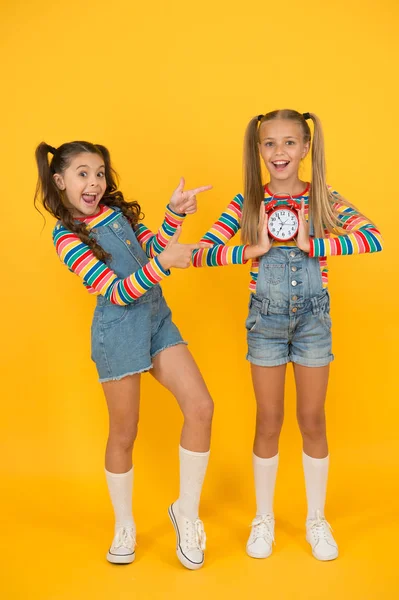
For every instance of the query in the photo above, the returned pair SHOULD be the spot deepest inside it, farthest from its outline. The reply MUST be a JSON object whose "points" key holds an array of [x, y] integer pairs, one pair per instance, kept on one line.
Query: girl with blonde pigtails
{"points": [[288, 228]]}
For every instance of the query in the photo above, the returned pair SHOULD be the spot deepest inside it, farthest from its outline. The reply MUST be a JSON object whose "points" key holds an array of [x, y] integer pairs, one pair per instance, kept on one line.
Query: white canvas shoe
{"points": [[260, 542], [122, 548], [190, 538], [319, 536]]}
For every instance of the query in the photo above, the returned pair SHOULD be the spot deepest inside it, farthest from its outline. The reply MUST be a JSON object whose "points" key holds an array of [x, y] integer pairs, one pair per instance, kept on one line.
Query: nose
{"points": [[279, 148]]}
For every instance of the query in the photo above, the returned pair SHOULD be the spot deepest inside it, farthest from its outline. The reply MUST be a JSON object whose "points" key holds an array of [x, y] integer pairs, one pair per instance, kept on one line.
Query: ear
{"points": [[59, 181], [306, 149]]}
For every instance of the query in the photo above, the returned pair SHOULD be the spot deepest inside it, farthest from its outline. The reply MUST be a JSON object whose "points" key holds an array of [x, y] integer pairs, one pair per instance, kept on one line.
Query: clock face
{"points": [[283, 224]]}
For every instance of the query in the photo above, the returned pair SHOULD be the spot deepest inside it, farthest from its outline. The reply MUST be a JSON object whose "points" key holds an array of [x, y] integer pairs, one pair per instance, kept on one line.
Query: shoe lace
{"points": [[195, 534], [125, 538], [263, 528], [320, 527]]}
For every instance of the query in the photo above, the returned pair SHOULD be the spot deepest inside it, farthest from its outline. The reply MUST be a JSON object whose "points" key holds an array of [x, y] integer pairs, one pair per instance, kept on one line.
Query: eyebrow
{"points": [[287, 137], [80, 166]]}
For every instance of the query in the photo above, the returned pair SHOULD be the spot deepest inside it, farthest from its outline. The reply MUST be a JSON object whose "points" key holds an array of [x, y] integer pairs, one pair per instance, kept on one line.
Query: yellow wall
{"points": [[169, 87]]}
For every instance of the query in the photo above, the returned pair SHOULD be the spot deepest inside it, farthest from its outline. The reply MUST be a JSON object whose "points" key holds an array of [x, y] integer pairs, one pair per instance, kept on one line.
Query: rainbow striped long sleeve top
{"points": [[97, 277], [362, 237]]}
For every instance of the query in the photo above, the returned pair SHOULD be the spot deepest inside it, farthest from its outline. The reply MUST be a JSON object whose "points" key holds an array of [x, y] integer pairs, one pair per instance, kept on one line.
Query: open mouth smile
{"points": [[89, 198], [280, 165]]}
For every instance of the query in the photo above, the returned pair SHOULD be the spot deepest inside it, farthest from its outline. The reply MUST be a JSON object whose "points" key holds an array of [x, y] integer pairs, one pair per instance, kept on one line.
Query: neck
{"points": [[292, 186]]}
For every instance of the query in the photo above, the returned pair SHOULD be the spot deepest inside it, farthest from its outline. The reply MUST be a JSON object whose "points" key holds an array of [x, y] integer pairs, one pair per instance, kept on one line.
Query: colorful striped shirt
{"points": [[97, 277], [362, 237]]}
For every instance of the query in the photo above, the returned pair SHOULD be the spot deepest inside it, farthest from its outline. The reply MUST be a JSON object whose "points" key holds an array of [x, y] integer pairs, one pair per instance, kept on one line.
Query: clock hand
{"points": [[278, 233]]}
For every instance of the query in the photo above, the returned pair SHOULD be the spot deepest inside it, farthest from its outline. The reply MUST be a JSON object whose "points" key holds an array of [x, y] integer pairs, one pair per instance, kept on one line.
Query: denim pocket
{"points": [[274, 273], [252, 320], [112, 314]]}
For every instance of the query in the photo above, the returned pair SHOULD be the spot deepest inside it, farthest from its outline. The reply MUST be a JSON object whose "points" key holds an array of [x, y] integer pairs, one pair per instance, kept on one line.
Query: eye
{"points": [[101, 174], [269, 144], [82, 174], [291, 143]]}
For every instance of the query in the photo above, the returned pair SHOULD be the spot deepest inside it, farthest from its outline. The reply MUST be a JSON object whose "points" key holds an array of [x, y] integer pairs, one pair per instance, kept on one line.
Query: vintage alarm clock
{"points": [[283, 220]]}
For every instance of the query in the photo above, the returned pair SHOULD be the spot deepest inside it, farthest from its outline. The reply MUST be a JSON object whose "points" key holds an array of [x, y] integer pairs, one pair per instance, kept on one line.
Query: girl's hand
{"points": [[178, 255], [185, 202], [264, 243], [302, 240]]}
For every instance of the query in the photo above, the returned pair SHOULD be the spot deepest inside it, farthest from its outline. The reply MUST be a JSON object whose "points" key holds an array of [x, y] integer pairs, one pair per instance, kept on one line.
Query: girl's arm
{"points": [[155, 244], [98, 277], [363, 236], [221, 232]]}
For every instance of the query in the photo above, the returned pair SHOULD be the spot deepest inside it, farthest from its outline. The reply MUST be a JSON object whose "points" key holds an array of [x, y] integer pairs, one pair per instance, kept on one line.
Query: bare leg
{"points": [[268, 385], [311, 385], [123, 401], [176, 369]]}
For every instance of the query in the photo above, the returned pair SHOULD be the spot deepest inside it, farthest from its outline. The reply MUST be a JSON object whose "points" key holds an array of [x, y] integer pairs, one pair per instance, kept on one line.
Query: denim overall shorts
{"points": [[125, 339], [289, 315]]}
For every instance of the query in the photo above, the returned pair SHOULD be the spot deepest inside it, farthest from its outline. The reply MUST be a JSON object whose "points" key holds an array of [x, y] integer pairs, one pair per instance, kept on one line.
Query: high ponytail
{"points": [[45, 188]]}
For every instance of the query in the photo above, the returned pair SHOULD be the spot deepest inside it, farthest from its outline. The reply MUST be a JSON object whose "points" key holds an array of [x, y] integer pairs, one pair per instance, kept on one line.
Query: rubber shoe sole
{"points": [[254, 555], [121, 559]]}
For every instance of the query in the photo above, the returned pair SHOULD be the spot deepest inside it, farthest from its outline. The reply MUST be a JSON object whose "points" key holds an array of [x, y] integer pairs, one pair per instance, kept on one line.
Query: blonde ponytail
{"points": [[253, 188]]}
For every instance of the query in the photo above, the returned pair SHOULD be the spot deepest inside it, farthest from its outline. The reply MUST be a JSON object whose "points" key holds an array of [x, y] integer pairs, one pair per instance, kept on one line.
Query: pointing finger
{"points": [[198, 190], [196, 246]]}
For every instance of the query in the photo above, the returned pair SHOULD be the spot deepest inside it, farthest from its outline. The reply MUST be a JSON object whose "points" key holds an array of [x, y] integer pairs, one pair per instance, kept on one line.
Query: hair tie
{"points": [[51, 149], [260, 117], [306, 116]]}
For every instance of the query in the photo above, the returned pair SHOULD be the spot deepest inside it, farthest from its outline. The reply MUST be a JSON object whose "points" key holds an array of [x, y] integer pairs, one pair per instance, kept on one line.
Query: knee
{"points": [[312, 424], [123, 437], [200, 412], [269, 424]]}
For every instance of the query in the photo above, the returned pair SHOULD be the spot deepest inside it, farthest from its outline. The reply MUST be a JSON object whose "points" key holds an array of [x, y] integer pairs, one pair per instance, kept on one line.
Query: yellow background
{"points": [[169, 87]]}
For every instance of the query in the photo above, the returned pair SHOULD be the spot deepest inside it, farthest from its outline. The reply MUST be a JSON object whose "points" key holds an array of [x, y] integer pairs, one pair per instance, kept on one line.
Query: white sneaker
{"points": [[122, 548], [191, 538], [260, 542], [319, 536]]}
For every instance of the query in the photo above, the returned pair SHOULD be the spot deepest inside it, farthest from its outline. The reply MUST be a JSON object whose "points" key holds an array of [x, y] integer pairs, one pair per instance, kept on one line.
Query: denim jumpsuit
{"points": [[125, 339], [289, 318]]}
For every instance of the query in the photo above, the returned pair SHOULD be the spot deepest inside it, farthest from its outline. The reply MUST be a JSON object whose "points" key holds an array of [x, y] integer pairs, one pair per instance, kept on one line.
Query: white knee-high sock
{"points": [[120, 487], [316, 475], [265, 473], [193, 467]]}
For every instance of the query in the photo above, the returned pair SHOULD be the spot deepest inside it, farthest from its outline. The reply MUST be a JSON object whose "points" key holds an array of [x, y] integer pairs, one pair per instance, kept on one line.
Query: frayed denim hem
{"points": [[104, 380]]}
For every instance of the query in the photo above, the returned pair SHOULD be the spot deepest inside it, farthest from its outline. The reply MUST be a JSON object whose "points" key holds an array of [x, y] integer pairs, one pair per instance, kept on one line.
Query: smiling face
{"points": [[282, 147], [84, 183]]}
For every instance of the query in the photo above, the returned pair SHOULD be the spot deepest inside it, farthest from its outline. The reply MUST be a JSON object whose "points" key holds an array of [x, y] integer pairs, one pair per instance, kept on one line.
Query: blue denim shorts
{"points": [[125, 339], [276, 337]]}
